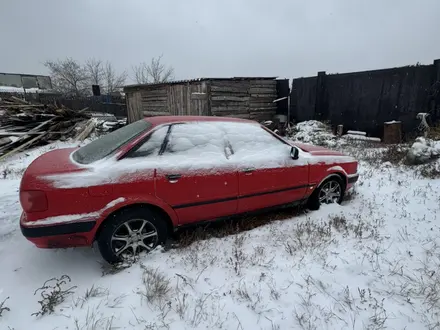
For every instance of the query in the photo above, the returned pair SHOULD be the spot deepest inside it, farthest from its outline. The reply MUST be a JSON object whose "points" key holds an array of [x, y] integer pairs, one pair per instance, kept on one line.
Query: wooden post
{"points": [[392, 132], [340, 130]]}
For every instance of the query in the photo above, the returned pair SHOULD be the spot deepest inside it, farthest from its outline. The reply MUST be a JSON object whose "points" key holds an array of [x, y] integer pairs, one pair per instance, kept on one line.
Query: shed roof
{"points": [[176, 82]]}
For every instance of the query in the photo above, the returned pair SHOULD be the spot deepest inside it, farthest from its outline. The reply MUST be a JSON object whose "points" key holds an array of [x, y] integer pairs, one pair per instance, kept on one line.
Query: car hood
{"points": [[316, 150]]}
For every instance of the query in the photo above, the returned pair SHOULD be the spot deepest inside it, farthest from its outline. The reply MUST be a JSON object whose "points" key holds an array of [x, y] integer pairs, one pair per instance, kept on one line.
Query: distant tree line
{"points": [[74, 78]]}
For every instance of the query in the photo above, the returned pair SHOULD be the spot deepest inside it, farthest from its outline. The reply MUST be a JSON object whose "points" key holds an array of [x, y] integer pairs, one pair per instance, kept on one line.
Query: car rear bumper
{"points": [[59, 235]]}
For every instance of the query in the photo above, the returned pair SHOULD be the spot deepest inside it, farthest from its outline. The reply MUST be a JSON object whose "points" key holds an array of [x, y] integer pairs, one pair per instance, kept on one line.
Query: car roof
{"points": [[160, 120]]}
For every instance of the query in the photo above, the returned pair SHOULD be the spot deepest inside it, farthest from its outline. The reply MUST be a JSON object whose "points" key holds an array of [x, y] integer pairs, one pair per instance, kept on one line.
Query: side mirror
{"points": [[294, 153]]}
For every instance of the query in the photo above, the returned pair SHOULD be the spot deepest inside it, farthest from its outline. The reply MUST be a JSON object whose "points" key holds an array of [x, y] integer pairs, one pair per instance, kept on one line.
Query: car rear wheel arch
{"points": [[153, 208]]}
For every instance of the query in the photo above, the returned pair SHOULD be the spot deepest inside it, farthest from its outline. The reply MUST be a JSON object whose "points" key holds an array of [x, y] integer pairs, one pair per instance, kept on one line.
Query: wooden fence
{"points": [[365, 100], [105, 103]]}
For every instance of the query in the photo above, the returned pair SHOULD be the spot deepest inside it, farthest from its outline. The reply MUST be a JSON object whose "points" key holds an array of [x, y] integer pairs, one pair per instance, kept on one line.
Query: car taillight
{"points": [[33, 200]]}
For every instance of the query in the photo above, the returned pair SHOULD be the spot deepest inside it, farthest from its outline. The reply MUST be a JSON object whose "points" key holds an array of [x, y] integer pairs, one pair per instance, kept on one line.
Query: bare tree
{"points": [[95, 71], [112, 80], [155, 72], [68, 76]]}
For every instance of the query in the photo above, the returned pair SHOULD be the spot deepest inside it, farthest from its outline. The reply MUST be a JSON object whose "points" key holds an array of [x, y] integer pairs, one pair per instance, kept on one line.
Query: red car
{"points": [[130, 189]]}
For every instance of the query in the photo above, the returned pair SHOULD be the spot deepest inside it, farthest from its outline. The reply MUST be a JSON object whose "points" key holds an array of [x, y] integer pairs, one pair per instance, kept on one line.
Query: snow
{"points": [[61, 219], [357, 133], [314, 132], [336, 169], [423, 150], [392, 122], [10, 89], [371, 263], [361, 138]]}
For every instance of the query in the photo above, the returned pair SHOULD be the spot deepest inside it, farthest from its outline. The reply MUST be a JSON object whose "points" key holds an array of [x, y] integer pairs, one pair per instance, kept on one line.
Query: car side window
{"points": [[251, 139], [152, 145], [198, 139]]}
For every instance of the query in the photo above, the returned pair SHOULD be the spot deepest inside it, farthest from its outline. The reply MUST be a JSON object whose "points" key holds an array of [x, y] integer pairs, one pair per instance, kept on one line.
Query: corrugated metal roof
{"points": [[195, 80]]}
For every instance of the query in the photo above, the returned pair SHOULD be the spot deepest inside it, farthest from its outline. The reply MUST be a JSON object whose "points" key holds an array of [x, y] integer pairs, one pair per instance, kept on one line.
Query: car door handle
{"points": [[173, 177], [248, 170]]}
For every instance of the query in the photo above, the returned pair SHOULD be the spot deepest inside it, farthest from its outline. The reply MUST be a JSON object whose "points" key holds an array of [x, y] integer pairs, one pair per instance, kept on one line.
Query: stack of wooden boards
{"points": [[24, 125]]}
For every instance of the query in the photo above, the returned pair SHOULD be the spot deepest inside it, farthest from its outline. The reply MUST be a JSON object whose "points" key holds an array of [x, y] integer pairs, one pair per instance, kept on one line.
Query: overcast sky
{"points": [[221, 38]]}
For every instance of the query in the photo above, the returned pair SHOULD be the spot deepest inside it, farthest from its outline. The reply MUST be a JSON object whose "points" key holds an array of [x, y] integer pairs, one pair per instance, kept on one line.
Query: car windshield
{"points": [[109, 143]]}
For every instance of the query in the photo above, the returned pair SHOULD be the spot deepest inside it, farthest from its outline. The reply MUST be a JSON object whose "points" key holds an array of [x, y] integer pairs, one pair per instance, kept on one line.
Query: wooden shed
{"points": [[242, 97]]}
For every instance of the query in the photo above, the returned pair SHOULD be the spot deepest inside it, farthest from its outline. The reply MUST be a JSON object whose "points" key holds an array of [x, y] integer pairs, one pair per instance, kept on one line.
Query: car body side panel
{"points": [[270, 187], [199, 196]]}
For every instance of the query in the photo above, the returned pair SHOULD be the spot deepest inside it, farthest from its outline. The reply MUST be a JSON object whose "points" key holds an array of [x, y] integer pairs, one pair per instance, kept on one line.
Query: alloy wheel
{"points": [[330, 192], [133, 237]]}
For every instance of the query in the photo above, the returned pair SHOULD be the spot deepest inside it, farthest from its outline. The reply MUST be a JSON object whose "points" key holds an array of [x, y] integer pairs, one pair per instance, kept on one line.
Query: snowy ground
{"points": [[371, 263]]}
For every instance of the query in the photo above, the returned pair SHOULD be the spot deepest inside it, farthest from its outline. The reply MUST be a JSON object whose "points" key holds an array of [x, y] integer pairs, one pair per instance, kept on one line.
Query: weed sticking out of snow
{"points": [[4, 307], [156, 286], [53, 293]]}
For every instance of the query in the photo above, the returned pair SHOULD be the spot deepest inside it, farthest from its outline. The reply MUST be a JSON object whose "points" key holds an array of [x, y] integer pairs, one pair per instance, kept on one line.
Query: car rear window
{"points": [[109, 143]]}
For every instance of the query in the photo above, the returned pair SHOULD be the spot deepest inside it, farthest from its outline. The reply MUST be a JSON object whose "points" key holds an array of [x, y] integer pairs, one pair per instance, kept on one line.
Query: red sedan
{"points": [[130, 189]]}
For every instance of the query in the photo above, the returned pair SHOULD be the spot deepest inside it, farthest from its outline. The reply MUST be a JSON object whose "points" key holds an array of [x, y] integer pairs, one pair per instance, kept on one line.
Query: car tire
{"points": [[315, 200], [132, 230]]}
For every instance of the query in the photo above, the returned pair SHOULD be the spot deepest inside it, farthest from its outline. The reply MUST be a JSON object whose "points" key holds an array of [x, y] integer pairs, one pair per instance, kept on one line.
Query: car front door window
{"points": [[252, 145], [203, 143]]}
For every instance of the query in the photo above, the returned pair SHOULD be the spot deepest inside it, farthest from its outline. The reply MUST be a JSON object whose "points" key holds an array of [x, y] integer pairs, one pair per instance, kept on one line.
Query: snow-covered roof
{"points": [[10, 89], [196, 80]]}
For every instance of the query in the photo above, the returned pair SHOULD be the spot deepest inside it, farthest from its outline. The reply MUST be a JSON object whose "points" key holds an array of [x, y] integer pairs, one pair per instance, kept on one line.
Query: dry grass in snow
{"points": [[371, 263]]}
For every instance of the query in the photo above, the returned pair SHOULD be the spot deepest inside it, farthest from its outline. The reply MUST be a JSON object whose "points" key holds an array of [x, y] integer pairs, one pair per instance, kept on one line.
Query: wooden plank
{"points": [[134, 107], [262, 109], [257, 105], [263, 82], [156, 92], [90, 126], [230, 109], [154, 105], [263, 98], [19, 133], [231, 83], [199, 96], [233, 105], [156, 113], [154, 99], [163, 109], [22, 146], [189, 109], [255, 90], [14, 106], [229, 89], [17, 99], [235, 115], [230, 98]]}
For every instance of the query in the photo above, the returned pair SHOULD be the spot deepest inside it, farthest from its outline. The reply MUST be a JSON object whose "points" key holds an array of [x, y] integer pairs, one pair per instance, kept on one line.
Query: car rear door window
{"points": [[152, 145]]}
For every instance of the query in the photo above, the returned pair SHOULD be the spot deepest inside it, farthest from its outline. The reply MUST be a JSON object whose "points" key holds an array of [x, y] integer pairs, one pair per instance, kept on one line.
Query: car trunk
{"points": [[53, 162]]}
